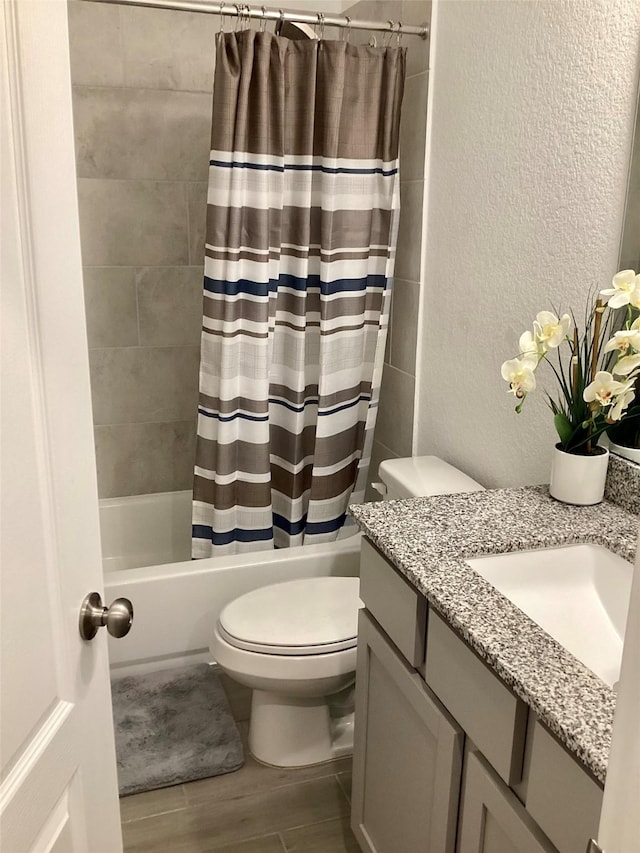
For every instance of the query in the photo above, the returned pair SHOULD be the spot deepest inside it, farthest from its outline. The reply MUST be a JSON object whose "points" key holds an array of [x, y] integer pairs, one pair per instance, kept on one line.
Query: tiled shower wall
{"points": [[394, 427], [142, 105], [142, 109]]}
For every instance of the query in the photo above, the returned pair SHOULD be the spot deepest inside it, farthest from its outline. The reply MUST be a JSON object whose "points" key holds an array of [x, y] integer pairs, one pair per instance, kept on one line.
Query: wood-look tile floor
{"points": [[257, 809]]}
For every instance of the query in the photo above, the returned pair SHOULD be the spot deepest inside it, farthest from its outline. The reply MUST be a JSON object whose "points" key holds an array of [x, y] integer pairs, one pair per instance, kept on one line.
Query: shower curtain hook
{"points": [[263, 22], [279, 23], [399, 34], [238, 8], [386, 38], [221, 30], [347, 34], [373, 41], [320, 26]]}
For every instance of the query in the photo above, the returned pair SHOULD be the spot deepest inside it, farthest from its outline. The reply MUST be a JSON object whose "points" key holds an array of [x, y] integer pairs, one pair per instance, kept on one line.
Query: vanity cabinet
{"points": [[492, 819], [408, 755], [446, 758]]}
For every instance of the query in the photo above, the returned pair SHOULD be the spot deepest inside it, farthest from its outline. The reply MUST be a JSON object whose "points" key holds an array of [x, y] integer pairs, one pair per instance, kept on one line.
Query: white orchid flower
{"points": [[621, 402], [528, 344], [549, 331], [626, 365], [625, 290], [519, 373], [604, 389], [624, 341]]}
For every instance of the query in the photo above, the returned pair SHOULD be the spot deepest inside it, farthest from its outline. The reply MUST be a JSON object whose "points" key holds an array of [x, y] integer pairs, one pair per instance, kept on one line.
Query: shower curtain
{"points": [[302, 215]]}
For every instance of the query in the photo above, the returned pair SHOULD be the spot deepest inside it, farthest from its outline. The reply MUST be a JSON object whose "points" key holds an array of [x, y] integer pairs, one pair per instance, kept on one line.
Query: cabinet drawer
{"points": [[561, 795], [393, 603], [493, 717]]}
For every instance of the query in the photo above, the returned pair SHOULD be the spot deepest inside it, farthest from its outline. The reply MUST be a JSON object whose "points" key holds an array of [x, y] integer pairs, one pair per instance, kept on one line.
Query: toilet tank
{"points": [[419, 476]]}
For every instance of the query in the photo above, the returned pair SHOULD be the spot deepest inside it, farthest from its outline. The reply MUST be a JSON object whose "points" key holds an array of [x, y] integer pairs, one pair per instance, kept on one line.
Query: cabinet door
{"points": [[492, 819], [407, 755]]}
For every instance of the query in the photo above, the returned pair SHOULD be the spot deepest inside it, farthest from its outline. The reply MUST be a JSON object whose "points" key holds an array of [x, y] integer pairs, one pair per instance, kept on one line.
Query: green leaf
{"points": [[563, 427]]}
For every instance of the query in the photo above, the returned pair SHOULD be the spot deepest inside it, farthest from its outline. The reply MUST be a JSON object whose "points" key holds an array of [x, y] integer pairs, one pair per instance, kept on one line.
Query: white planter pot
{"points": [[632, 453], [577, 479]]}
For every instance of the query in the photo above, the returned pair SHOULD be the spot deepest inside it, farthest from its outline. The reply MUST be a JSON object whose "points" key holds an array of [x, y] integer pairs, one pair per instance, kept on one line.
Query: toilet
{"points": [[294, 643]]}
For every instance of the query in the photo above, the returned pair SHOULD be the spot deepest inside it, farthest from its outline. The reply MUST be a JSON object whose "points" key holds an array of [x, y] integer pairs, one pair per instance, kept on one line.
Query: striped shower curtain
{"points": [[301, 229]]}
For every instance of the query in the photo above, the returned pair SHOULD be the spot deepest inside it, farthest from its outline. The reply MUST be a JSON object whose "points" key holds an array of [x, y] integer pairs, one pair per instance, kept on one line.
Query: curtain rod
{"points": [[240, 10]]}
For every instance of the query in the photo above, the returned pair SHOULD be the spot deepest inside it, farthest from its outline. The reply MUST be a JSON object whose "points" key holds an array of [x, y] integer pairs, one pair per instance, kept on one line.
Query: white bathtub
{"points": [[146, 542]]}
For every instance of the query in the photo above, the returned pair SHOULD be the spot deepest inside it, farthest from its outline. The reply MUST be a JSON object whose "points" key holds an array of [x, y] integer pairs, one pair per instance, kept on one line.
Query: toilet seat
{"points": [[312, 616]]}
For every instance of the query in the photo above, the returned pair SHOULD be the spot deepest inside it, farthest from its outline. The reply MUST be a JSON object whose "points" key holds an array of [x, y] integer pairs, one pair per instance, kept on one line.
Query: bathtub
{"points": [[146, 543]]}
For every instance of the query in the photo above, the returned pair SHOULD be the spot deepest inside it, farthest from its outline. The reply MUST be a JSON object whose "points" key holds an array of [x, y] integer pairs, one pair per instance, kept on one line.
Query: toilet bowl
{"points": [[294, 643]]}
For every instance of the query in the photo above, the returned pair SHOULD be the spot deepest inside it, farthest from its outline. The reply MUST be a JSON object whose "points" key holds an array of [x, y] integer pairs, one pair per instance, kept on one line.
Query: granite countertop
{"points": [[428, 540]]}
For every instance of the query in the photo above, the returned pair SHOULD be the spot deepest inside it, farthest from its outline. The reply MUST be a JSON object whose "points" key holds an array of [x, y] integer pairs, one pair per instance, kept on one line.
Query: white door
{"points": [[58, 790]]}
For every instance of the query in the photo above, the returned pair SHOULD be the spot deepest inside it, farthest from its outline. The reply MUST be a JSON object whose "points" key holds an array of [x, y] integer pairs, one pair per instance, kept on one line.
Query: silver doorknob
{"points": [[94, 615]]}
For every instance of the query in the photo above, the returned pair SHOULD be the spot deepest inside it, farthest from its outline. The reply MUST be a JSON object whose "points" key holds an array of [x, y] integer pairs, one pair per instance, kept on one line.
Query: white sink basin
{"points": [[579, 594]]}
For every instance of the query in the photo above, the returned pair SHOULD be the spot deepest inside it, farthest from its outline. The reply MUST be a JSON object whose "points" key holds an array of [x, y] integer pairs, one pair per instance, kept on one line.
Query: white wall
{"points": [[532, 106]]}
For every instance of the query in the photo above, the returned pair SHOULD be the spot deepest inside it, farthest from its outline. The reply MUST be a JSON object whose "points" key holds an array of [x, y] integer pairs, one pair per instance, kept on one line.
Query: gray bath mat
{"points": [[173, 726]]}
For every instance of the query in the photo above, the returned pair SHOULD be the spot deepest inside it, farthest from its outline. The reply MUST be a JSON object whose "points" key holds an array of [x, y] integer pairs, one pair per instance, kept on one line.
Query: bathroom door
{"points": [[59, 789]]}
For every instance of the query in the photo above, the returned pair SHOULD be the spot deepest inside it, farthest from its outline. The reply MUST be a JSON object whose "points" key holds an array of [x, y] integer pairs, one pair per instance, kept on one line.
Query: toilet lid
{"points": [[309, 616]]}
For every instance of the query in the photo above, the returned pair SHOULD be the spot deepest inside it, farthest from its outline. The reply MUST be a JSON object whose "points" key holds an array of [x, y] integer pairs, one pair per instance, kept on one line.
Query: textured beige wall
{"points": [[630, 251], [530, 134], [394, 427]]}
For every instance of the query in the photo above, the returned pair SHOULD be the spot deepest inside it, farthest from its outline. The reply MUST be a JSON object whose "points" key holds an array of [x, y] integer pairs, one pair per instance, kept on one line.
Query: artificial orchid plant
{"points": [[599, 380]]}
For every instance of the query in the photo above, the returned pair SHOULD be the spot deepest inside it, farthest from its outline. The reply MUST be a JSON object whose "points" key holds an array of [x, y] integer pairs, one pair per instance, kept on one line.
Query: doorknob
{"points": [[94, 615]]}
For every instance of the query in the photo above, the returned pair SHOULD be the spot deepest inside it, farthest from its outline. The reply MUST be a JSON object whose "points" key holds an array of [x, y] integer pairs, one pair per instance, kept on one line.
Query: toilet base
{"points": [[287, 731]]}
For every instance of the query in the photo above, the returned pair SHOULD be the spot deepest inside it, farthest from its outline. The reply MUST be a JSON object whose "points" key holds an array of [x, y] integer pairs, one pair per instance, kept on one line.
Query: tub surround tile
{"points": [[141, 134], [132, 223], [412, 13], [373, 10], [167, 49], [169, 305], [197, 204], [144, 384], [415, 13], [144, 458], [394, 426], [428, 539], [409, 253], [406, 298], [95, 43], [110, 306], [412, 127]]}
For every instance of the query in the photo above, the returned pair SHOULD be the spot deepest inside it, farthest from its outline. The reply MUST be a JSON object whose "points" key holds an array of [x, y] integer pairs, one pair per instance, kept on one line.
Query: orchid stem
{"points": [[597, 321]]}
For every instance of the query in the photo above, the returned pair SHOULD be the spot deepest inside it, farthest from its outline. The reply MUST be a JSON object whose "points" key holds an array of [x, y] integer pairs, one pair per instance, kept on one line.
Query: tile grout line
{"points": [[346, 795], [135, 284], [133, 87], [188, 211], [273, 787], [153, 814], [112, 179], [148, 346]]}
